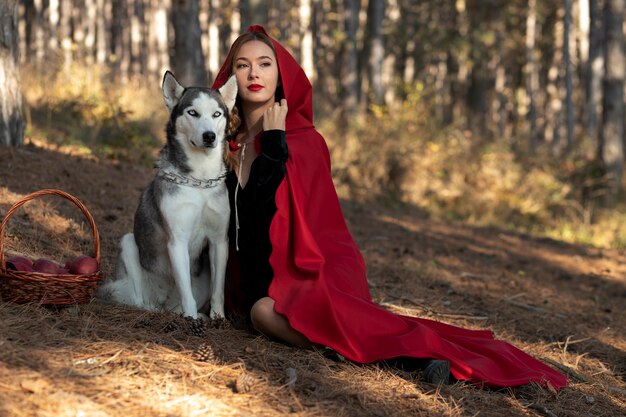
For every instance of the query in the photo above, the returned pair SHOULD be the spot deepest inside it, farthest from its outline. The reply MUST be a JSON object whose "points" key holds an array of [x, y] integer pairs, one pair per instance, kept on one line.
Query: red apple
{"points": [[46, 266], [82, 265], [19, 263]]}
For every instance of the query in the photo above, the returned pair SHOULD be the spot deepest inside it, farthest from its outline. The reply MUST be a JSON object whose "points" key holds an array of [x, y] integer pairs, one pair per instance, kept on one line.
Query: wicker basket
{"points": [[48, 289]]}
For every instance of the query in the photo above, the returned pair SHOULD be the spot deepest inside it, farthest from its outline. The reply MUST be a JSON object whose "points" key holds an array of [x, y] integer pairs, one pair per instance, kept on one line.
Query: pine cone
{"points": [[172, 326], [204, 353], [143, 322], [246, 382], [196, 327]]}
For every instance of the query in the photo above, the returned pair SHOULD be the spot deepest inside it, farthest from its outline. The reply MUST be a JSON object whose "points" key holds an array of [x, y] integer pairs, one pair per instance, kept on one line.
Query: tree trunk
{"points": [[349, 76], [65, 33], [118, 45], [477, 91], [584, 24], [532, 74], [554, 104], [41, 26], [595, 67], [499, 112], [462, 63], [30, 22], [52, 26], [569, 102], [11, 113], [137, 43], [188, 59], [215, 22], [611, 144], [234, 30], [91, 27], [306, 34], [157, 57], [101, 29], [376, 51], [253, 12]]}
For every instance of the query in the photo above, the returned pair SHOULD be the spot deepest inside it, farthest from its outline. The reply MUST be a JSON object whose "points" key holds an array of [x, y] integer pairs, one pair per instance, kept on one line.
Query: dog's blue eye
{"points": [[193, 113], [217, 114]]}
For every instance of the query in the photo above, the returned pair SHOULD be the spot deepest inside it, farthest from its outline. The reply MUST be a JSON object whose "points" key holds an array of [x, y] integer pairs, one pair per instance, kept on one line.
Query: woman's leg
{"points": [[272, 324]]}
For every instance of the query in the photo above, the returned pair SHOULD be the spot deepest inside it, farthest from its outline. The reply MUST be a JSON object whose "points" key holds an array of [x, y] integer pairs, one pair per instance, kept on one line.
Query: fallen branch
{"points": [[472, 275], [569, 342], [462, 316], [570, 372], [542, 409], [428, 310], [527, 306], [409, 300], [534, 308]]}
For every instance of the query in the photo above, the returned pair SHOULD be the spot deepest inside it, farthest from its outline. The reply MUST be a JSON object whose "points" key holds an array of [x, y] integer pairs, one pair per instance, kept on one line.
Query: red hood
{"points": [[296, 85]]}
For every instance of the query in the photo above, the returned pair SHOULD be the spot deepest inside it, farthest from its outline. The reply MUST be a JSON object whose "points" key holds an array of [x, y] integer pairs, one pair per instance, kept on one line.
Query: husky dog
{"points": [[163, 263]]}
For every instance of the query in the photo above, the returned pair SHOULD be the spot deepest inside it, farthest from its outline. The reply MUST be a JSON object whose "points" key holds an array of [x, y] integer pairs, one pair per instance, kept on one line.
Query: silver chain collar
{"points": [[190, 181]]}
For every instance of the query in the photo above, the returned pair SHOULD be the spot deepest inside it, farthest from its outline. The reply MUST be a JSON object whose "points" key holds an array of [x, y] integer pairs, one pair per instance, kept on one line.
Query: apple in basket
{"points": [[82, 265], [19, 263], [45, 266]]}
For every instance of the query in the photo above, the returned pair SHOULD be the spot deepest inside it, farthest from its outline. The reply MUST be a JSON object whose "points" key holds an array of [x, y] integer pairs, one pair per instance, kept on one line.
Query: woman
{"points": [[295, 268]]}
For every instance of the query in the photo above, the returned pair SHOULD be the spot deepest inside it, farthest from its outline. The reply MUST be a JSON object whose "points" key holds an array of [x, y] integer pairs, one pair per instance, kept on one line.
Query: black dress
{"points": [[249, 273]]}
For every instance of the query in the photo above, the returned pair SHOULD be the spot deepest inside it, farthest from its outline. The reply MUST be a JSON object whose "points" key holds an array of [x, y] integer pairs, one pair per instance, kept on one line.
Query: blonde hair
{"points": [[232, 162]]}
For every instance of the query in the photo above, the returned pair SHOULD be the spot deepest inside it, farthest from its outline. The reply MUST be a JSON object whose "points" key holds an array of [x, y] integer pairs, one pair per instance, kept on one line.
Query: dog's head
{"points": [[198, 116]]}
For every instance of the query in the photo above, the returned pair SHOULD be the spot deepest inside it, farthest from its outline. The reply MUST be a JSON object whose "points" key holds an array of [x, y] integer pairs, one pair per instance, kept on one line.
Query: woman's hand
{"points": [[275, 116]]}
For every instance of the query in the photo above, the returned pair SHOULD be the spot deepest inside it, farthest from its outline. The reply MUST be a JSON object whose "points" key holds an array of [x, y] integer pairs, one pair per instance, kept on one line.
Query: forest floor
{"points": [[560, 302]]}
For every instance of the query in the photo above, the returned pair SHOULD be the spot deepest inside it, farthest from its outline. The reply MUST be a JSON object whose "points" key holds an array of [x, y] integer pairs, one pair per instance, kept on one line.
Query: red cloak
{"points": [[320, 280]]}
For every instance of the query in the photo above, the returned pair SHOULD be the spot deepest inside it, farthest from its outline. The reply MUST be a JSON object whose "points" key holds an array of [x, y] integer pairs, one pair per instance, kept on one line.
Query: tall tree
{"points": [[11, 114], [215, 22], [532, 73], [569, 102], [188, 59], [595, 67], [477, 91], [554, 102], [612, 136], [306, 36], [376, 50], [65, 31], [350, 67], [30, 19]]}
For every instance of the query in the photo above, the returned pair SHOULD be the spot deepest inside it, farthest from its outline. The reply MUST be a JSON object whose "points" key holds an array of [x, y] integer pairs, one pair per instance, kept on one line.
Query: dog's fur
{"points": [[162, 265]]}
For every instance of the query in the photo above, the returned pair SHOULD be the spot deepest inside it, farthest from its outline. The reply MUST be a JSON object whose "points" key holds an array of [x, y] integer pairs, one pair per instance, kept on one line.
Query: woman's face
{"points": [[256, 70]]}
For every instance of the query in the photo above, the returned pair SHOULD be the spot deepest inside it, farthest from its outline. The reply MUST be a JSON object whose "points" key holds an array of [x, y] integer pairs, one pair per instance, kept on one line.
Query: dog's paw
{"points": [[204, 317], [217, 313], [220, 323]]}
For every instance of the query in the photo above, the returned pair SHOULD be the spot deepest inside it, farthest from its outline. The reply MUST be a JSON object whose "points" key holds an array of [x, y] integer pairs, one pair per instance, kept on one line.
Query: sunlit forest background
{"points": [[504, 113]]}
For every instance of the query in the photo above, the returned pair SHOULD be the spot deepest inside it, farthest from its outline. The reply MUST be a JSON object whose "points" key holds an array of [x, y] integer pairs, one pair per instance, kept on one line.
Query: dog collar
{"points": [[190, 181]]}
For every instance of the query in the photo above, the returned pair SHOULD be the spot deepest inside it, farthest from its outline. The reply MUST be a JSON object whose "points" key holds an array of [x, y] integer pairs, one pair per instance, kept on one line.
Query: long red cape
{"points": [[320, 280]]}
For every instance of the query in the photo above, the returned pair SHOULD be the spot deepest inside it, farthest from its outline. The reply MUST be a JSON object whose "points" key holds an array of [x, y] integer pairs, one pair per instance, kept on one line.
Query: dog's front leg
{"points": [[178, 250], [218, 254]]}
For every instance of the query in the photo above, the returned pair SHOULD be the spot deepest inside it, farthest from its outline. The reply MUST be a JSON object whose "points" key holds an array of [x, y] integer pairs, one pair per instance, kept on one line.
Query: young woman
{"points": [[294, 268]]}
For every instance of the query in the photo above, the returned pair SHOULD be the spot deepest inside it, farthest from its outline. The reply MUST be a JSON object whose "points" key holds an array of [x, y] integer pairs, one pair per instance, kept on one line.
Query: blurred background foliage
{"points": [[450, 125]]}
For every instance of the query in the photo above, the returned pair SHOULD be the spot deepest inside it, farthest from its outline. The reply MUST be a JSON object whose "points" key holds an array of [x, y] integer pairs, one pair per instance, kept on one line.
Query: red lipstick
{"points": [[255, 87]]}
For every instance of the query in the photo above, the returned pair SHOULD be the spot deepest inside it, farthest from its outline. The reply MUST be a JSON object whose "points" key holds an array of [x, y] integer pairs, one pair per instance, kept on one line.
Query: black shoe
{"points": [[437, 372]]}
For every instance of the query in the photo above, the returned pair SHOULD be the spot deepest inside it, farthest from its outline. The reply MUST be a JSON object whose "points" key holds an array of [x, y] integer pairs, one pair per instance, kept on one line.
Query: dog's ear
{"points": [[229, 92], [172, 90]]}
